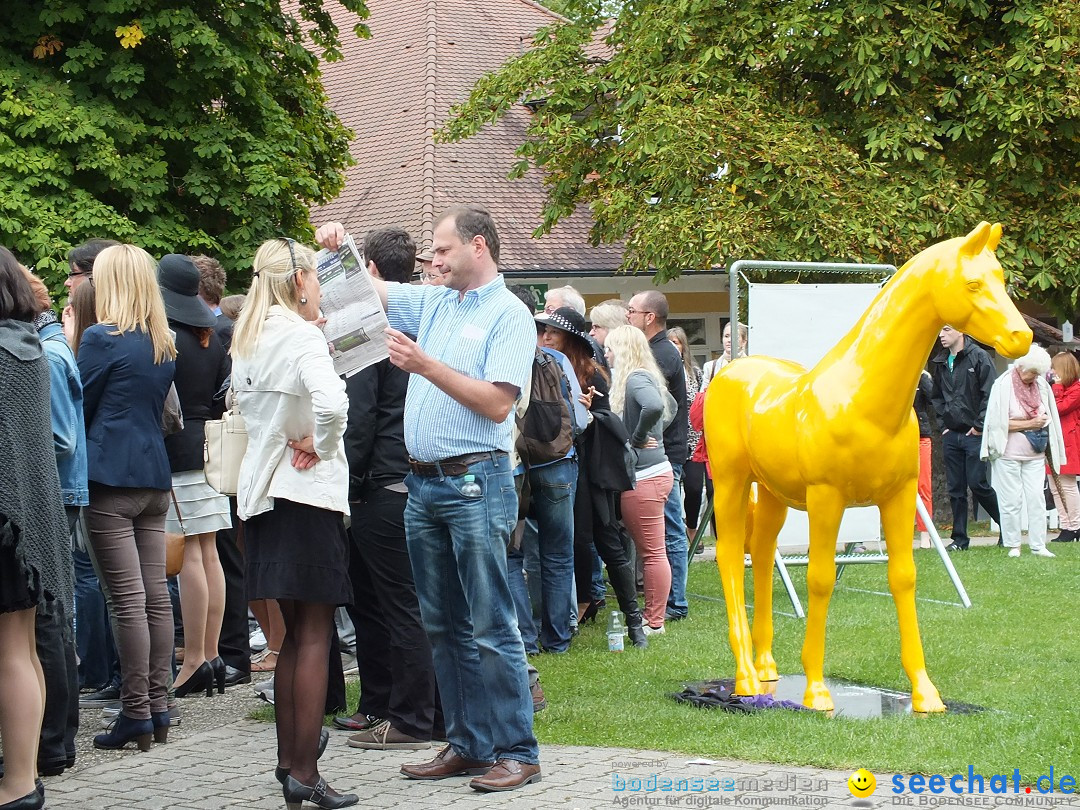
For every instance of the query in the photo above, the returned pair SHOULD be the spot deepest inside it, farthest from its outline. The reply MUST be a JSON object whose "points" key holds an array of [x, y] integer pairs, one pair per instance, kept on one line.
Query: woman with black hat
{"points": [[202, 366], [596, 510]]}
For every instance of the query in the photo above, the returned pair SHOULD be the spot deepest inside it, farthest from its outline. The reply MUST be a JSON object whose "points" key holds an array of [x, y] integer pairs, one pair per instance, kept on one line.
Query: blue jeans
{"points": [[457, 549], [516, 566], [553, 487], [599, 589], [93, 632], [676, 544]]}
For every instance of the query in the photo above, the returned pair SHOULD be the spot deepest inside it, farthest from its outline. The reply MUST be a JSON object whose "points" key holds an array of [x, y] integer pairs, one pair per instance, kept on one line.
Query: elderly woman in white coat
{"points": [[1021, 425]]}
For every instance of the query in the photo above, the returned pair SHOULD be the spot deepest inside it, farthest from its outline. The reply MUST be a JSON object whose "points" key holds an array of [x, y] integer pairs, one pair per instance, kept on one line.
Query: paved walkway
{"points": [[232, 766]]}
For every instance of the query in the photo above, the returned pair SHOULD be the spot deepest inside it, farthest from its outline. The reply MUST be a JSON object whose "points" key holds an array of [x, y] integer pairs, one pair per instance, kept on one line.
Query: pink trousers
{"points": [[643, 514], [926, 492]]}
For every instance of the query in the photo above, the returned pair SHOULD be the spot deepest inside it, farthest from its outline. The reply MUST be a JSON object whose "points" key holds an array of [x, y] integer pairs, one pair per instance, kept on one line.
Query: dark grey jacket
{"points": [[643, 415]]}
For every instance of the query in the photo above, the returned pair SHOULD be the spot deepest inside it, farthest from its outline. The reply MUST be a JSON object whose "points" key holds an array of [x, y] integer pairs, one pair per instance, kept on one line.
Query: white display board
{"points": [[802, 322]]}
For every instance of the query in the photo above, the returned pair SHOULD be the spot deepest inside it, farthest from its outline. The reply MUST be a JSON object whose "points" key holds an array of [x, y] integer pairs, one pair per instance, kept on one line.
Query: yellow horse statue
{"points": [[843, 434]]}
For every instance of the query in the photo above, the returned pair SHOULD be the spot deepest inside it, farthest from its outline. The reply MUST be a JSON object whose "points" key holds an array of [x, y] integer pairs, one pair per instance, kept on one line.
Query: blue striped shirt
{"points": [[487, 334]]}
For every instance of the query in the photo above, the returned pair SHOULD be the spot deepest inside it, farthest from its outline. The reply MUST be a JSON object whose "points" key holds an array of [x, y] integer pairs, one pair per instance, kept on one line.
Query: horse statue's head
{"points": [[969, 292]]}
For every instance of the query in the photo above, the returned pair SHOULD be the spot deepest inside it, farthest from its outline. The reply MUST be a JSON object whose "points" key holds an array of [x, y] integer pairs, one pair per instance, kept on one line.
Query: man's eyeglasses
{"points": [[79, 273], [632, 311]]}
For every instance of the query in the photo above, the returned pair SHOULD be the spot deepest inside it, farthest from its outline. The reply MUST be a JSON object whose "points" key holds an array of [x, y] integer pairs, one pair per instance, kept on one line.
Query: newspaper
{"points": [[355, 321]]}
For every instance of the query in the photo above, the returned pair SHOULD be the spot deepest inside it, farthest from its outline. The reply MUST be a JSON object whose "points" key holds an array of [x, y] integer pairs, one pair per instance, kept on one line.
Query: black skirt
{"points": [[20, 582], [296, 551]]}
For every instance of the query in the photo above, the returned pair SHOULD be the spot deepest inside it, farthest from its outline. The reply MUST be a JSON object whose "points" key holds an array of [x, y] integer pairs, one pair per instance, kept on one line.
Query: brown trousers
{"points": [[127, 538]]}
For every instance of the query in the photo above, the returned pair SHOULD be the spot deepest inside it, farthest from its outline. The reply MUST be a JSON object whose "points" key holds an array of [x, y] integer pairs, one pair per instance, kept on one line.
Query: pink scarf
{"points": [[1027, 395]]}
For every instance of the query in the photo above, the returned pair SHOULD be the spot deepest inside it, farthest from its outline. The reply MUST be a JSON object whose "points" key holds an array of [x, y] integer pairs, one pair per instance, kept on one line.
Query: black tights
{"points": [[300, 686]]}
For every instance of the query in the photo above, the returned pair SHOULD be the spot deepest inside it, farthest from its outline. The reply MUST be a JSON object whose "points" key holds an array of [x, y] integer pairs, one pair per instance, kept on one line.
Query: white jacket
{"points": [[288, 390], [996, 425]]}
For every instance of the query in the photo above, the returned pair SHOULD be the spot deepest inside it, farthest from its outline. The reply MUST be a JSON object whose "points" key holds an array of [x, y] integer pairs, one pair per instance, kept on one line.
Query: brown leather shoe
{"points": [[538, 700], [447, 763], [506, 774]]}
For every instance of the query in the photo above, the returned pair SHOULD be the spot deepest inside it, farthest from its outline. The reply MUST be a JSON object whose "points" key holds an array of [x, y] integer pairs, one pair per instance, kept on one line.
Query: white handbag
{"points": [[223, 450]]}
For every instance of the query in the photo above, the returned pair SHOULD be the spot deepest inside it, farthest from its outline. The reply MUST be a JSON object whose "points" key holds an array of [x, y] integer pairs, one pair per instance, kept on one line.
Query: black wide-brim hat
{"points": [[566, 319], [178, 278]]}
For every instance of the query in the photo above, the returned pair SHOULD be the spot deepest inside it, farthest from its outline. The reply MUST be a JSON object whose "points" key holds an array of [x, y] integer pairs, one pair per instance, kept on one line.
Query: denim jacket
{"points": [[69, 432]]}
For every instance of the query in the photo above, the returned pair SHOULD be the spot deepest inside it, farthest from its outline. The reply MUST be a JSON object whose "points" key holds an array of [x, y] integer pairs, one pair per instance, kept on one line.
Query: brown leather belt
{"points": [[458, 465]]}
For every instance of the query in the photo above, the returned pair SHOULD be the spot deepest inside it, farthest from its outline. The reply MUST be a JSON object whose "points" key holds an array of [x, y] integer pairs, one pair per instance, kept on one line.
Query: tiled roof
{"points": [[395, 89]]}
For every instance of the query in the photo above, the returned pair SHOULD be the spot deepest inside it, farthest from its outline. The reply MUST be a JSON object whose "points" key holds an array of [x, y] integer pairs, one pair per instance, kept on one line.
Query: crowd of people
{"points": [[461, 498]]}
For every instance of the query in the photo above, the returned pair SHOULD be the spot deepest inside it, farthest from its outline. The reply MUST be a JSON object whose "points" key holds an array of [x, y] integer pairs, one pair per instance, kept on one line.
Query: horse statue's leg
{"points": [[769, 516], [729, 501], [898, 516], [825, 509]]}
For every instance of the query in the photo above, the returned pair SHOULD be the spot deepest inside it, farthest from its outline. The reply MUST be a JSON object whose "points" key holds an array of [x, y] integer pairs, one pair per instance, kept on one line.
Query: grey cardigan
{"points": [[643, 415]]}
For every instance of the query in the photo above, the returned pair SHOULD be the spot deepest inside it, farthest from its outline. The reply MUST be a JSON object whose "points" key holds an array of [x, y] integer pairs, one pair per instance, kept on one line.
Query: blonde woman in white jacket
{"points": [[1021, 425], [293, 496]]}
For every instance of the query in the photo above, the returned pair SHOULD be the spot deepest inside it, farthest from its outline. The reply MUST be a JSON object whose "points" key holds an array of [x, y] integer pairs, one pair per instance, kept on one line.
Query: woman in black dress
{"points": [[293, 496]]}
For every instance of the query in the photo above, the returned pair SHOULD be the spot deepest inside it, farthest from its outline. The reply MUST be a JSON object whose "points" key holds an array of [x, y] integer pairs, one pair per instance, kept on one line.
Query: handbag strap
{"points": [[179, 517]]}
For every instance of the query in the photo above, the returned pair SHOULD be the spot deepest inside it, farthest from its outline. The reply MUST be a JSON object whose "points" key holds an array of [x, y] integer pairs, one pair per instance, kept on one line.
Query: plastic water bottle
{"points": [[469, 487], [615, 632]]}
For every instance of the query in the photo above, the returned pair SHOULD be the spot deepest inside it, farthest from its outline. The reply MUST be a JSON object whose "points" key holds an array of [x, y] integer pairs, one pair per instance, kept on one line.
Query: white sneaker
{"points": [[257, 641], [265, 690], [649, 630], [1043, 552], [1014, 552]]}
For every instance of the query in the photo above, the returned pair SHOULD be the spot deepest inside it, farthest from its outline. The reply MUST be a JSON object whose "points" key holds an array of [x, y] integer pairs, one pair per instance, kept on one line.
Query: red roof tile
{"points": [[396, 89]]}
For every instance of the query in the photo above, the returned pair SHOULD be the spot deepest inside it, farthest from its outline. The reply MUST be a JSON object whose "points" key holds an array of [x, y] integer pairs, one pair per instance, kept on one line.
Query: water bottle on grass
{"points": [[616, 630]]}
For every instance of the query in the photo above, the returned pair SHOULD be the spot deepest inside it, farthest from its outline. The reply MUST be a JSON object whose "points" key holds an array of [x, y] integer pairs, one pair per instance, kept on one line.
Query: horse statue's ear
{"points": [[976, 240], [995, 237]]}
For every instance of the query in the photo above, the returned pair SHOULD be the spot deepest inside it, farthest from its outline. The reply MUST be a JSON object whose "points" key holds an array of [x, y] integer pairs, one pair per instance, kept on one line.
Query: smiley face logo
{"points": [[862, 783]]}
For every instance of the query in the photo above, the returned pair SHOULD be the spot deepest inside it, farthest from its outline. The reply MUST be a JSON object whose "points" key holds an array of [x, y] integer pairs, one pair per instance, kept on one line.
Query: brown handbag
{"points": [[174, 544]]}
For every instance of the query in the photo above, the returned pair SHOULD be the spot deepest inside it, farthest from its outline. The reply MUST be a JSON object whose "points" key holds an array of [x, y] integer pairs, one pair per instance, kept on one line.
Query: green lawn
{"points": [[1015, 652]]}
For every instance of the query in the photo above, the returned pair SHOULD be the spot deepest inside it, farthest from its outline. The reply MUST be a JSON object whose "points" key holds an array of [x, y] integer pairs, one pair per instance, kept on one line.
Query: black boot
{"points": [[1066, 536], [124, 730], [634, 629], [622, 582]]}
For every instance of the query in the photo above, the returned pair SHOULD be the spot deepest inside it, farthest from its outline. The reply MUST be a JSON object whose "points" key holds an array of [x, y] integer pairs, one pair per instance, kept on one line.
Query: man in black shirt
{"points": [[963, 377], [648, 311], [398, 705]]}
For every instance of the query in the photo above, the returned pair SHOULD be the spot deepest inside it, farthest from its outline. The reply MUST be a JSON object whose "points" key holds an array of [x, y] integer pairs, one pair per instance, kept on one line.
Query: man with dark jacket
{"points": [[962, 380], [648, 311], [398, 706]]}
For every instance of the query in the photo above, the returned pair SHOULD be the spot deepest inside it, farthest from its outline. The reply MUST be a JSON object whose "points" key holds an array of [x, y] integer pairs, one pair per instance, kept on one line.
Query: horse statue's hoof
{"points": [[747, 686], [766, 668], [817, 697], [925, 699]]}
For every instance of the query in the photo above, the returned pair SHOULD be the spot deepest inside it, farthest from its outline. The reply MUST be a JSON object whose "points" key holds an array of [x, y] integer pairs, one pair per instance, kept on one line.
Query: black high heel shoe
{"points": [[296, 794], [35, 801], [591, 611], [324, 737], [218, 666], [123, 731], [203, 678]]}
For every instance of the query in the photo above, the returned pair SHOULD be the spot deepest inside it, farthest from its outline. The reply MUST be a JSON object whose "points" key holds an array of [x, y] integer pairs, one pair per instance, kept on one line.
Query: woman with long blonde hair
{"points": [[127, 362], [639, 395], [293, 496]]}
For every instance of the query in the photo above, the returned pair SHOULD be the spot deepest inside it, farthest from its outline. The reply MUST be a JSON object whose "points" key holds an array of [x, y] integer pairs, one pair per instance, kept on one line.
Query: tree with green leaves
{"points": [[705, 131], [183, 127]]}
